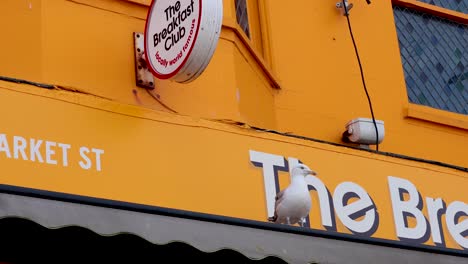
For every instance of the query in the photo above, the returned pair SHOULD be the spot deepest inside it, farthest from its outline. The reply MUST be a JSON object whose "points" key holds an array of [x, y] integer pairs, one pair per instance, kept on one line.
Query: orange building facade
{"points": [[78, 128]]}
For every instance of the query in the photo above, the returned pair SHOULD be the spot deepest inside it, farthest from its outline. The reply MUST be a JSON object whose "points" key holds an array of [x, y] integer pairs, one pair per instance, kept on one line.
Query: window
{"points": [[242, 16], [248, 17], [434, 56]]}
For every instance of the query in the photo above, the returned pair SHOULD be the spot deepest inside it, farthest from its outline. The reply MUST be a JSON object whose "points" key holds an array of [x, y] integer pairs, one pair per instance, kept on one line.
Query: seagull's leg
{"points": [[287, 221]]}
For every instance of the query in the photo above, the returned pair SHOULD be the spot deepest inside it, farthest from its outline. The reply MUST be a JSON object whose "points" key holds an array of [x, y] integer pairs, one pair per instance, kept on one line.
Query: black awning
{"points": [[98, 225], [24, 241]]}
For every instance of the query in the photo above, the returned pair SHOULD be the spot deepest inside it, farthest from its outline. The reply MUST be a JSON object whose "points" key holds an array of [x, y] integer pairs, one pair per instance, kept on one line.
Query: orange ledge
{"points": [[141, 2], [437, 116], [433, 10]]}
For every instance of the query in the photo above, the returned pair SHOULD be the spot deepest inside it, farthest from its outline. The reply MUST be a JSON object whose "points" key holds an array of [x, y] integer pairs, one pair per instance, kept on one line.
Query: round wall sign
{"points": [[181, 37]]}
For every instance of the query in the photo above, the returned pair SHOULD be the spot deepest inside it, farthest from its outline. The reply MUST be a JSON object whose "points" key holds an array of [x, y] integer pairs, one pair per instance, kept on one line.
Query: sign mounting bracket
{"points": [[143, 76]]}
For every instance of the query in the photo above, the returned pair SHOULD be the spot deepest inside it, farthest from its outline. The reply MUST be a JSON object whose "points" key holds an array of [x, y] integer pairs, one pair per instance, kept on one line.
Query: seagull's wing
{"points": [[278, 199]]}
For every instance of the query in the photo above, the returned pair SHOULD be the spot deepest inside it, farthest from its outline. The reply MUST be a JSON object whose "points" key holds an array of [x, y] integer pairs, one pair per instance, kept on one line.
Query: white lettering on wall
{"points": [[65, 148], [458, 229], [34, 150], [357, 211], [19, 144], [435, 207], [85, 163], [402, 209], [348, 212], [270, 163], [49, 152], [326, 209], [4, 145], [98, 153]]}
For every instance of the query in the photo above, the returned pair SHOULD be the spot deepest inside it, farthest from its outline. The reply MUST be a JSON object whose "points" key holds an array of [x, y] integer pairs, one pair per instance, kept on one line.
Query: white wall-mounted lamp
{"points": [[362, 130]]}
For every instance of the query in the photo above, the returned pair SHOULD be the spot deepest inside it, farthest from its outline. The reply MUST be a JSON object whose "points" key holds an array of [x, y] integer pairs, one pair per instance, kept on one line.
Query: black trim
{"points": [[156, 210], [384, 153], [21, 81]]}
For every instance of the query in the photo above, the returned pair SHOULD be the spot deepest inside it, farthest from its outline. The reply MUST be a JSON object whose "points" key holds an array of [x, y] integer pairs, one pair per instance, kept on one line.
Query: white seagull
{"points": [[293, 204]]}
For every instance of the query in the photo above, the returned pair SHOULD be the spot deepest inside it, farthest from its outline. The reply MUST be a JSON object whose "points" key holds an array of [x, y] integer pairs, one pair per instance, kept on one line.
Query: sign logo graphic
{"points": [[181, 36]]}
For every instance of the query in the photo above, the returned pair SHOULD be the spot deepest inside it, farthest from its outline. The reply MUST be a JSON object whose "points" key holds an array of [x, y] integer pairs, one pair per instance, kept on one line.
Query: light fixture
{"points": [[362, 130]]}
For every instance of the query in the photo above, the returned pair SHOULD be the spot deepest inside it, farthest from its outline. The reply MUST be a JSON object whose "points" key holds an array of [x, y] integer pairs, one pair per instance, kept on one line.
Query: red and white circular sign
{"points": [[181, 36]]}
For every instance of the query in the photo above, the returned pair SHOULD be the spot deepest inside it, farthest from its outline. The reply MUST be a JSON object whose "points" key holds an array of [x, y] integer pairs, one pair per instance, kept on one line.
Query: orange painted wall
{"points": [[302, 79], [87, 46], [156, 158]]}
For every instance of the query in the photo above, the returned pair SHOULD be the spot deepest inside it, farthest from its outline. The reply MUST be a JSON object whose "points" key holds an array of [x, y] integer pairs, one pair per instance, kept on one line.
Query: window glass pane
{"points": [[242, 16], [456, 5], [435, 59]]}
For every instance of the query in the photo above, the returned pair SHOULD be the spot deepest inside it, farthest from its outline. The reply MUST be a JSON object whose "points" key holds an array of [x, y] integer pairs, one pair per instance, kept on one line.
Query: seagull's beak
{"points": [[311, 172]]}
